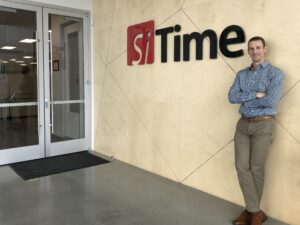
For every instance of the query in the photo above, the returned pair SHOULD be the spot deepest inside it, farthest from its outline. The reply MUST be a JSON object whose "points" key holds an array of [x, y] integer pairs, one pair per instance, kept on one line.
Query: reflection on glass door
{"points": [[66, 81], [18, 79], [42, 82], [21, 135], [67, 76]]}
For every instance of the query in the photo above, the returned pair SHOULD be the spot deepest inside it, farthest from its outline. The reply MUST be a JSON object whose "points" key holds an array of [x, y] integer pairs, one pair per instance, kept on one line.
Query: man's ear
{"points": [[265, 49]]}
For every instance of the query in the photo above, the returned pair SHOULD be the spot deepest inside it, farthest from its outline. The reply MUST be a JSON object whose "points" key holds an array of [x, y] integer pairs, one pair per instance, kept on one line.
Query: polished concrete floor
{"points": [[109, 194]]}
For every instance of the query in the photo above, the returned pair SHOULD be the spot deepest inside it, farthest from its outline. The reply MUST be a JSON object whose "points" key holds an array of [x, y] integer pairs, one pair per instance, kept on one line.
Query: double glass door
{"points": [[43, 82]]}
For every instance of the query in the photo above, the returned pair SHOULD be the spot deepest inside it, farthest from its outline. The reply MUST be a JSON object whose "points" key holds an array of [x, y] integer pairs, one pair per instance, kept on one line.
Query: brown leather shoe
{"points": [[258, 218], [243, 219]]}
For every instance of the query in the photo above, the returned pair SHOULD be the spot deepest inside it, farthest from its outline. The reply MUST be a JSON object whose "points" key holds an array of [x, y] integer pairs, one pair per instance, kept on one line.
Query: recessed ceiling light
{"points": [[4, 61], [28, 40], [33, 63], [13, 60], [23, 64], [19, 61], [27, 57], [8, 47]]}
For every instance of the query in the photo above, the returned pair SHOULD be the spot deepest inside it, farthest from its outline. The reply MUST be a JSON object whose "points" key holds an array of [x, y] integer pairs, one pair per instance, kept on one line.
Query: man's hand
{"points": [[260, 94]]}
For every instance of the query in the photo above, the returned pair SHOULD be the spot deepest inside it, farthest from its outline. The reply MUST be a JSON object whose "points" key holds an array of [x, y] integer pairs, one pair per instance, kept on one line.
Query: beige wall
{"points": [[174, 119]]}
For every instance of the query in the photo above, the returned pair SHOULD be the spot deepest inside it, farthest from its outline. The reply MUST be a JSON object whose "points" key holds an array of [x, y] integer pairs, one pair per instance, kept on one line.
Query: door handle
{"points": [[38, 80], [46, 103], [51, 80]]}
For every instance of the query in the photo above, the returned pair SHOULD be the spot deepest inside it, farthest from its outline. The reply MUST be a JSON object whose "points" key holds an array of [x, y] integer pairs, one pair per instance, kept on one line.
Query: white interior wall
{"points": [[77, 4]]}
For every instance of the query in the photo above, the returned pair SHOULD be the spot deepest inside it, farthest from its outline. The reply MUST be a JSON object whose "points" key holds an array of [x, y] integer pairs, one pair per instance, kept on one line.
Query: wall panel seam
{"points": [[98, 53], [144, 126], [169, 17], [288, 132], [101, 103], [114, 59], [219, 54], [183, 4], [206, 161], [109, 36], [287, 91]]}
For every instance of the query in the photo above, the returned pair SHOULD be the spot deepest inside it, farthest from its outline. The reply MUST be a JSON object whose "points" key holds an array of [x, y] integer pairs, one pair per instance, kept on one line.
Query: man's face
{"points": [[256, 51]]}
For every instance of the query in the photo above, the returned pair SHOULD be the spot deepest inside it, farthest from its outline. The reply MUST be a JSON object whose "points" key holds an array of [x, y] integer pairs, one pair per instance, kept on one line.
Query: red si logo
{"points": [[140, 43]]}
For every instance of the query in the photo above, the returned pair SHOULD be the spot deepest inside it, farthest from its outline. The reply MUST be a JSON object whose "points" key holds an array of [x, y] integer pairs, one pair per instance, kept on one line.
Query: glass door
{"points": [[44, 86], [66, 70], [21, 98]]}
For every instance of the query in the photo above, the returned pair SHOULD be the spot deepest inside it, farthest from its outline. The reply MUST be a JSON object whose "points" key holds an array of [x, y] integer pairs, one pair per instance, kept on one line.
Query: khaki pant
{"points": [[252, 141]]}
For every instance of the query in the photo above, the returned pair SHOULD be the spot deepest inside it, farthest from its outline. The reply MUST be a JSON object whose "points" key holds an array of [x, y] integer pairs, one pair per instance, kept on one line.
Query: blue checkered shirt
{"points": [[265, 78]]}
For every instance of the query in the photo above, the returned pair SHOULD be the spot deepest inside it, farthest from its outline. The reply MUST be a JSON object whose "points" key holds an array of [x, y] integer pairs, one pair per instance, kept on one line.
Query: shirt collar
{"points": [[263, 65]]}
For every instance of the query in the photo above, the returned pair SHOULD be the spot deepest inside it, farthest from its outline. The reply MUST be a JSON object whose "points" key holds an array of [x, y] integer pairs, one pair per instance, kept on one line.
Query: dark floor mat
{"points": [[57, 164]]}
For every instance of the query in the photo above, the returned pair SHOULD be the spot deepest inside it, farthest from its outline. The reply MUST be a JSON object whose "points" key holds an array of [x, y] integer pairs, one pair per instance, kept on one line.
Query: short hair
{"points": [[257, 38]]}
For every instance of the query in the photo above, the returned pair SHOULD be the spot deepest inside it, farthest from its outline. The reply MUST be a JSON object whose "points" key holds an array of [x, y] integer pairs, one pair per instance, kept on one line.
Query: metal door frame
{"points": [[45, 148], [76, 145], [34, 151]]}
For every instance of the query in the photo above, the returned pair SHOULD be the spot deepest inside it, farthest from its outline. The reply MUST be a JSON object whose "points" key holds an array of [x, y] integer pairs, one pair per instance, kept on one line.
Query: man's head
{"points": [[257, 49]]}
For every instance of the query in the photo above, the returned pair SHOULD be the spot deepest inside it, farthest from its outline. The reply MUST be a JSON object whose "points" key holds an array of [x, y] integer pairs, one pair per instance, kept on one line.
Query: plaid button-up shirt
{"points": [[265, 78]]}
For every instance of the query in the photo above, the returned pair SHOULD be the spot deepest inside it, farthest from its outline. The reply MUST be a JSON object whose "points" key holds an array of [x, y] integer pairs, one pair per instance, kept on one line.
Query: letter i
{"points": [[177, 47]]}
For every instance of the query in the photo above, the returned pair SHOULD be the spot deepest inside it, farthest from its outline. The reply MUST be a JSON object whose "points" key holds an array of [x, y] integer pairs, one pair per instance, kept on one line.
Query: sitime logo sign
{"points": [[140, 43]]}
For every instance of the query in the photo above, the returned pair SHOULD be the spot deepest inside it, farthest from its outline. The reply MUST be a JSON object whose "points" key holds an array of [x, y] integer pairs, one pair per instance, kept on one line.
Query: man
{"points": [[257, 89]]}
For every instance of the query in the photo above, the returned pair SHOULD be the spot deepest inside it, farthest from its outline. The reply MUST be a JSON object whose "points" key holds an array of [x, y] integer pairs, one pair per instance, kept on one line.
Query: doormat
{"points": [[56, 164]]}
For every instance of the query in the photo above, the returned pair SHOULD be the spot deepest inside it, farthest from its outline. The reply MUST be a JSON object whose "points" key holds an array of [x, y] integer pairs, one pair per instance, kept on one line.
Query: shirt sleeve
{"points": [[273, 93], [236, 95]]}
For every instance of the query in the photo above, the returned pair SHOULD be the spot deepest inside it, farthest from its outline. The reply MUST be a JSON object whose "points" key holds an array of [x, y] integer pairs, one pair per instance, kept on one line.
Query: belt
{"points": [[257, 118]]}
